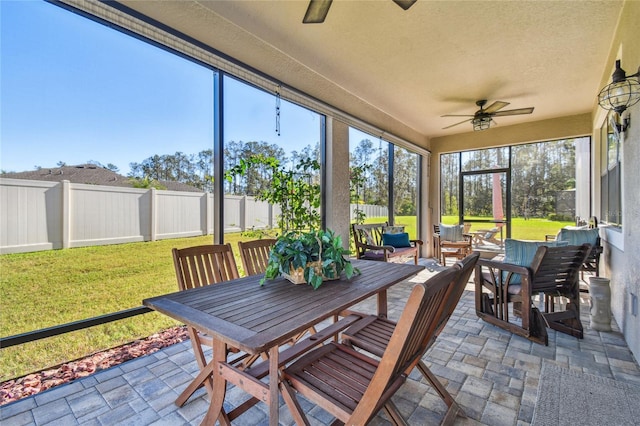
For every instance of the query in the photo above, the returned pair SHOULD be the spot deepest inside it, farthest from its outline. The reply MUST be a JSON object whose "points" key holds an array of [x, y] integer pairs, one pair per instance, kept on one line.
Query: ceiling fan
{"points": [[482, 119], [318, 9]]}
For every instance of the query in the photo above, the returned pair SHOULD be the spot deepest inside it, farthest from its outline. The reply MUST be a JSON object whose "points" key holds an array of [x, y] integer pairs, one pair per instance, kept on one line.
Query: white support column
{"points": [[337, 169]]}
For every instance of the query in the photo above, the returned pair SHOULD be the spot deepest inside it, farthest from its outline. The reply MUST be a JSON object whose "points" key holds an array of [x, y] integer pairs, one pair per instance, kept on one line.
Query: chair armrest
{"points": [[417, 242], [508, 267], [370, 247], [501, 266]]}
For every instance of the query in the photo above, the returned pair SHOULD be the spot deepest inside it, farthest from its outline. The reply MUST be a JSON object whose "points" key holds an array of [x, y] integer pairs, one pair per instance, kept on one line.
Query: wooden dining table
{"points": [[259, 319]]}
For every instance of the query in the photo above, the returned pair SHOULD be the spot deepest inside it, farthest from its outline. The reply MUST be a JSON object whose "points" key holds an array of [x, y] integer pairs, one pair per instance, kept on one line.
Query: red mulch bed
{"points": [[31, 384]]}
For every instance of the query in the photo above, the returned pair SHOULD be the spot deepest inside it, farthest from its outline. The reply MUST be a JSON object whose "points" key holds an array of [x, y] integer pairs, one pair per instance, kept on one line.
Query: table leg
{"points": [[204, 377], [219, 388], [382, 304], [274, 389]]}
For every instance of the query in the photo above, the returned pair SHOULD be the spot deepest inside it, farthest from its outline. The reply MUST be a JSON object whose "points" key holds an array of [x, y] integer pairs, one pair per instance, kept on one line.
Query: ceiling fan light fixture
{"points": [[622, 92], [481, 123]]}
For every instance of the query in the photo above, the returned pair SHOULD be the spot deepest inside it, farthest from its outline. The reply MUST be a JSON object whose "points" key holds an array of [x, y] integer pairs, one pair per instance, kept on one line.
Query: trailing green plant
{"points": [[358, 176], [296, 190], [319, 253]]}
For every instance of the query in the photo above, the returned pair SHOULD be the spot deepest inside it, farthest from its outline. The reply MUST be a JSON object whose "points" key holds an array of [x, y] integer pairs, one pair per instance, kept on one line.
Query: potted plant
{"points": [[311, 257]]}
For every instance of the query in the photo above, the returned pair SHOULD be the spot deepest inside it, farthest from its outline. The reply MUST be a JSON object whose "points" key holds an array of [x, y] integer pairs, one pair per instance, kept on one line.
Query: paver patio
{"points": [[491, 373]]}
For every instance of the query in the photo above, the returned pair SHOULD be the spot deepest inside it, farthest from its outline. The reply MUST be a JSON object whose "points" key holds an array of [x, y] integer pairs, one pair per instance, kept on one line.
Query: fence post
{"points": [[152, 220], [66, 213], [270, 215], [243, 214], [204, 213], [210, 208]]}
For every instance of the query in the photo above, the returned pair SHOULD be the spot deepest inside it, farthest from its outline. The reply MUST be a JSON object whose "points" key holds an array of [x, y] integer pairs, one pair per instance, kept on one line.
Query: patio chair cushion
{"points": [[491, 233], [392, 229], [396, 240], [576, 237], [521, 253], [369, 238], [451, 232]]}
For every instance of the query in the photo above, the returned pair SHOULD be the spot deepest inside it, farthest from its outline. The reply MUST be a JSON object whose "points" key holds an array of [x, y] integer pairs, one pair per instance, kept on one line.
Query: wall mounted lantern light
{"points": [[622, 92]]}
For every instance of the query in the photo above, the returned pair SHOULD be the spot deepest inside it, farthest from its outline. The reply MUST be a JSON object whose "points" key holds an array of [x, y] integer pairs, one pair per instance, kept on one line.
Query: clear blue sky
{"points": [[73, 90]]}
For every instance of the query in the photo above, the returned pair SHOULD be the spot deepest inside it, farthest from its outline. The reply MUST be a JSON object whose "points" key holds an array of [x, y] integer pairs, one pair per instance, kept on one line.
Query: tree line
{"points": [[540, 172], [368, 162]]}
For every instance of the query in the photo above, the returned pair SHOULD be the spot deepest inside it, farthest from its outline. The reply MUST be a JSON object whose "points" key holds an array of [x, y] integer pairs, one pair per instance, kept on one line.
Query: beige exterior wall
{"points": [[621, 257]]}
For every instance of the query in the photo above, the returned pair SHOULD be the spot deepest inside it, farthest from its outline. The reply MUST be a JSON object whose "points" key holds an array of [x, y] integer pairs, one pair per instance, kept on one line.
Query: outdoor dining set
{"points": [[266, 337]]}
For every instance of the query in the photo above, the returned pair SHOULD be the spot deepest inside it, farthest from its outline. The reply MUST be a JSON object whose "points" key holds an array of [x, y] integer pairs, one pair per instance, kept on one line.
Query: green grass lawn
{"points": [[531, 229], [47, 288]]}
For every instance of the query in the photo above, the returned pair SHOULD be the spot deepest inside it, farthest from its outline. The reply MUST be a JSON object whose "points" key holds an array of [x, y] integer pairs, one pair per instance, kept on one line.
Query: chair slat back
{"points": [[203, 265], [415, 329], [466, 269], [557, 268], [370, 233], [255, 255]]}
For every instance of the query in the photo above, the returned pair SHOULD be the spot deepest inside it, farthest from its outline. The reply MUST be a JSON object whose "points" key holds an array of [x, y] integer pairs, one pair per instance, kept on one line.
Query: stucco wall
{"points": [[337, 163], [621, 257]]}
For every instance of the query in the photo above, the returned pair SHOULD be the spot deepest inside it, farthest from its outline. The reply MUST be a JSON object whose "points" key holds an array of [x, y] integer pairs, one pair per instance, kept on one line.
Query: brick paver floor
{"points": [[490, 372]]}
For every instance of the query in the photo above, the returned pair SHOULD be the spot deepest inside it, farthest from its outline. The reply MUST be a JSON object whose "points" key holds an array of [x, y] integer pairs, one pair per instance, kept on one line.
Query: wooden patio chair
{"points": [[487, 236], [370, 245], [195, 267], [582, 235], [592, 264], [436, 241], [553, 272], [452, 242], [255, 257], [373, 333], [352, 386]]}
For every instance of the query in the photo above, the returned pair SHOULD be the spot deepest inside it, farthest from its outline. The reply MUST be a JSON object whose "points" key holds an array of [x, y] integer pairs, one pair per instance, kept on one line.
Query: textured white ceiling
{"points": [[436, 58]]}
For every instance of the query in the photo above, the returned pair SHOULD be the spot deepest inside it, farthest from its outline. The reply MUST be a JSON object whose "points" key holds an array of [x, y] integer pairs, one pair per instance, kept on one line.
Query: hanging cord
{"points": [[278, 111]]}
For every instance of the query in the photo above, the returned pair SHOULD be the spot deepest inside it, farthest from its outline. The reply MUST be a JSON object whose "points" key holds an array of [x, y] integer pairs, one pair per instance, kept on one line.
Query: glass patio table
{"points": [[258, 319]]}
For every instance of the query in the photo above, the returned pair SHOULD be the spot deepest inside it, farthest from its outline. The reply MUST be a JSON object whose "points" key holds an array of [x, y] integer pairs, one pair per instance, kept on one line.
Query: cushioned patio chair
{"points": [[550, 271], [379, 241], [576, 235], [486, 236], [453, 242]]}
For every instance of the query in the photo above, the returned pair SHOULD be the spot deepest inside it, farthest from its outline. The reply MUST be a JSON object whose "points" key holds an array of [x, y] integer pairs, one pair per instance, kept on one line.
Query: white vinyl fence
{"points": [[38, 215]]}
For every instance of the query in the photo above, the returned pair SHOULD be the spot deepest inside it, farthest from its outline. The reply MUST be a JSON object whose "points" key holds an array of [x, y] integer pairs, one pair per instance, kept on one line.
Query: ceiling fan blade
{"points": [[316, 11], [405, 4], [465, 121], [458, 115], [513, 112], [496, 106]]}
